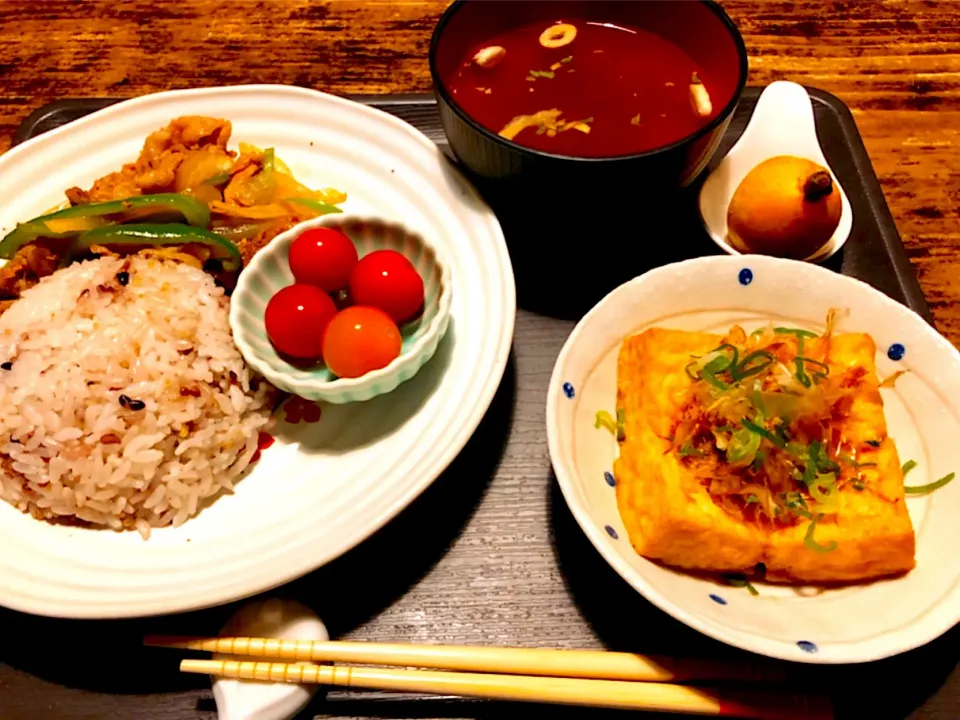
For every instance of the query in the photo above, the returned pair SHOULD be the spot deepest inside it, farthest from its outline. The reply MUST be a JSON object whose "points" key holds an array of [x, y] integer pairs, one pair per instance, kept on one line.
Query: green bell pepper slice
{"points": [[78, 219], [158, 236]]}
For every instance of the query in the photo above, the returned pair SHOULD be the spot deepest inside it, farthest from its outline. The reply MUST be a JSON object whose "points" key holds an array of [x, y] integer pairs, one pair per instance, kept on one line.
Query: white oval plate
{"points": [[323, 487], [853, 624]]}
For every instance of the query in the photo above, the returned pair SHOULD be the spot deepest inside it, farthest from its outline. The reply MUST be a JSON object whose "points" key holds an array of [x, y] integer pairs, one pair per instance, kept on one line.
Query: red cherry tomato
{"points": [[387, 280], [296, 319], [323, 257], [360, 339]]}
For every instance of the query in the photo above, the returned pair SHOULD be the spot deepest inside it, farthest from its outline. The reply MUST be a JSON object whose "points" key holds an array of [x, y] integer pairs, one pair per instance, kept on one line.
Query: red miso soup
{"points": [[584, 88]]}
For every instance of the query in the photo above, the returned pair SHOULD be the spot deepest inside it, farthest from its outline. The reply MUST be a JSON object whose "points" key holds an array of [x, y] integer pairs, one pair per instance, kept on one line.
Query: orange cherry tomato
{"points": [[360, 339]]}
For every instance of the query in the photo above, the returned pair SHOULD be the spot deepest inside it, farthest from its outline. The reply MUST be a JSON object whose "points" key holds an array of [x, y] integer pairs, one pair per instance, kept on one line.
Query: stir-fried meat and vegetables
{"points": [[187, 194]]}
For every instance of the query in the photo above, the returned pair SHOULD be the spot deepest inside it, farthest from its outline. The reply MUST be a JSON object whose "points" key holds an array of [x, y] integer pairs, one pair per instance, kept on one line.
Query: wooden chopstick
{"points": [[658, 697], [593, 664]]}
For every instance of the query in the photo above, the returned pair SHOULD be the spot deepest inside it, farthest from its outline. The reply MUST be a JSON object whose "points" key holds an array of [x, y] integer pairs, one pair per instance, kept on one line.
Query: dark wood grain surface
{"points": [[490, 553]]}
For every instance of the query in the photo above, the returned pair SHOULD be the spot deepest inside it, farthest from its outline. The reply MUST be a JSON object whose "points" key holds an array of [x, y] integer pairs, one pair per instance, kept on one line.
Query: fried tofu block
{"points": [[671, 517], [872, 529]]}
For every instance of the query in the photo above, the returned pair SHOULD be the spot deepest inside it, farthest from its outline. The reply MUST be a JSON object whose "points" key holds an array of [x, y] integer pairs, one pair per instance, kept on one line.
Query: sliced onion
{"points": [[244, 231]]}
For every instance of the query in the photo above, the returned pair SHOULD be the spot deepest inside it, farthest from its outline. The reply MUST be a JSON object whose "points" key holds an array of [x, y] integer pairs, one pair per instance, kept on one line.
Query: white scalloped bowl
{"points": [[844, 625], [269, 272]]}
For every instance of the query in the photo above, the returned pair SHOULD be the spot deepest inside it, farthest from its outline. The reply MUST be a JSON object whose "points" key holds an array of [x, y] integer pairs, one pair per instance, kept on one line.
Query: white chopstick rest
{"points": [[250, 700]]}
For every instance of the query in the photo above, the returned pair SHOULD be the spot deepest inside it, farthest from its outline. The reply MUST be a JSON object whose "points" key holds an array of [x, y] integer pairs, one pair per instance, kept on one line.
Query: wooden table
{"points": [[895, 63]]}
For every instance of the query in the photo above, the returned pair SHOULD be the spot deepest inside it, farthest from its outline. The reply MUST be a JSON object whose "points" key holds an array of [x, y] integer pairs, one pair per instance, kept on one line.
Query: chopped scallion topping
{"points": [[781, 432], [850, 461], [605, 420], [930, 487], [908, 466], [688, 450], [763, 432], [813, 544], [738, 581], [811, 361], [822, 489], [758, 403], [795, 331], [718, 361], [797, 505], [621, 422], [707, 373], [817, 376], [800, 372], [800, 334], [743, 447], [754, 363], [819, 457], [734, 358]]}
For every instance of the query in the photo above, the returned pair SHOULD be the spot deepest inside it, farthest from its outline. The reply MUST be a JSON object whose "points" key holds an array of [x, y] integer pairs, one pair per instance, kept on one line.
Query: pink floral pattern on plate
{"points": [[296, 410]]}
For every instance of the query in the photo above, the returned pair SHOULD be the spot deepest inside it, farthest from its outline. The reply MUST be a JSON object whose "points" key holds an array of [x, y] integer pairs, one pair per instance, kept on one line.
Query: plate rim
{"points": [[567, 482], [51, 606]]}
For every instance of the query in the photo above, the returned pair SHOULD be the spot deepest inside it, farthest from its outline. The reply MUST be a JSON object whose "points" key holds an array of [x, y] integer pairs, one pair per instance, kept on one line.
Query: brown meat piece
{"points": [[163, 152], [186, 133], [251, 246], [115, 186], [28, 266]]}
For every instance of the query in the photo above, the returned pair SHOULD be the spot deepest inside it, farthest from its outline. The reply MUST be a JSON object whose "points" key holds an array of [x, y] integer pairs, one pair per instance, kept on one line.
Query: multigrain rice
{"points": [[84, 354]]}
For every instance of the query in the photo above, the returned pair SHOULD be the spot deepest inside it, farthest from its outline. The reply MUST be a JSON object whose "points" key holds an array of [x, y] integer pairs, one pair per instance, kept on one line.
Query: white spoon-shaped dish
{"points": [[782, 124]]}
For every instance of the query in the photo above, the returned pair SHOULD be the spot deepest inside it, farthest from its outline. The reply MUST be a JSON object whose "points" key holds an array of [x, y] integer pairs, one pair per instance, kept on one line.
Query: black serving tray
{"points": [[490, 554]]}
